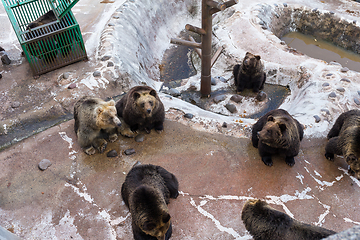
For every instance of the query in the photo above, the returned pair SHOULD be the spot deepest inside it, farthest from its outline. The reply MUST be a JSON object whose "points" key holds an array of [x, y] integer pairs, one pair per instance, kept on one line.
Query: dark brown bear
{"points": [[141, 108], [146, 192], [277, 132], [44, 19], [344, 139], [266, 223], [250, 74]]}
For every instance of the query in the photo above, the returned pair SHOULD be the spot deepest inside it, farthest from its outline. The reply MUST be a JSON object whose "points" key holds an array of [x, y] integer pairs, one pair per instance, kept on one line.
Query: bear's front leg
{"points": [[100, 144], [332, 148], [267, 160], [113, 137], [290, 161], [159, 127]]}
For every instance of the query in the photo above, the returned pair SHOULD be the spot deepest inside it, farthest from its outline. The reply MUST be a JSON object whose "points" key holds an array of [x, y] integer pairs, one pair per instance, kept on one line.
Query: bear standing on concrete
{"points": [[344, 139], [141, 108], [266, 223], [95, 121], [146, 192], [277, 132], [250, 74]]}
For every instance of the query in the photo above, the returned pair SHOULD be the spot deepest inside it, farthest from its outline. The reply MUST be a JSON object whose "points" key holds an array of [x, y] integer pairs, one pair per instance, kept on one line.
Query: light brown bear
{"points": [[277, 132], [95, 121], [264, 223], [141, 109], [344, 139]]}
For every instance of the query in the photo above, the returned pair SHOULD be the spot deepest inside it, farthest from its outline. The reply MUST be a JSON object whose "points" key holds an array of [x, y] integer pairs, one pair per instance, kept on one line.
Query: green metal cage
{"points": [[51, 44]]}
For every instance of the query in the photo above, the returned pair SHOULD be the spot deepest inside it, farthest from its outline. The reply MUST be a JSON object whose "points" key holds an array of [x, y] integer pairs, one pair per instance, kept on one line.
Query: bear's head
{"points": [[145, 102], [107, 115], [354, 165], [250, 62], [272, 134]]}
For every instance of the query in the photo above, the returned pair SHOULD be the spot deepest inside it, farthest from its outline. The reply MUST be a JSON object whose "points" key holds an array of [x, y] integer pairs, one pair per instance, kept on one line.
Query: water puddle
{"points": [[320, 49]]}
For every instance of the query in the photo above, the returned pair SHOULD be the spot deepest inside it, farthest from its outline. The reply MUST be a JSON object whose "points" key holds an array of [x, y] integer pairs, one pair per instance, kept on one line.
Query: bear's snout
{"points": [[148, 111]]}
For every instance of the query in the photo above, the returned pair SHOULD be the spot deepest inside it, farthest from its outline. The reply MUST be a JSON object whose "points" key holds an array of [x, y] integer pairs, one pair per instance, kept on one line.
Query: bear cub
{"points": [[146, 192], [264, 222], [95, 121], [277, 132], [250, 74], [344, 139], [141, 108]]}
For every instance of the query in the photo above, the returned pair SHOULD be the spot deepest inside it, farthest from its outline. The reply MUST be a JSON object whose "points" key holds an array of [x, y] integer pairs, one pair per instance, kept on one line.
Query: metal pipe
{"points": [[205, 86]]}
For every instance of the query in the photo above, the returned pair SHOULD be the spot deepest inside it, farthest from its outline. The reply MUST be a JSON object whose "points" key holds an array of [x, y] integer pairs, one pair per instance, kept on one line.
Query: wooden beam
{"points": [[185, 43], [216, 56], [197, 50], [195, 29]]}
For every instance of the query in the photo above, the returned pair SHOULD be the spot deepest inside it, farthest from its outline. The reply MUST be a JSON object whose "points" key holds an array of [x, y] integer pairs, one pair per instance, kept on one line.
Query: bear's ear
{"points": [[257, 57], [111, 103], [165, 217], [270, 118], [99, 110], [148, 226], [282, 127], [153, 93], [136, 95]]}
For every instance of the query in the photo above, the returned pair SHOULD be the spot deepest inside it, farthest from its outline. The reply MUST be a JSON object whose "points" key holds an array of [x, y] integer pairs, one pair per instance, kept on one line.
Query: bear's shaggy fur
{"points": [[277, 132], [141, 108], [344, 139], [95, 121], [44, 19], [250, 74], [146, 192], [266, 223]]}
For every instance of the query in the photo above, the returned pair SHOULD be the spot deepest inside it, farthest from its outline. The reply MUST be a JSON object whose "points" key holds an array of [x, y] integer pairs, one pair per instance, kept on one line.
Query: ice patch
{"points": [[351, 177], [322, 216], [351, 221], [66, 138], [87, 197]]}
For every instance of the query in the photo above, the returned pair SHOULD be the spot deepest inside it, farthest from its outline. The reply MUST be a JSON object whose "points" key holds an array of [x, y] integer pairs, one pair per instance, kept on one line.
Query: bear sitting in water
{"points": [[277, 132]]}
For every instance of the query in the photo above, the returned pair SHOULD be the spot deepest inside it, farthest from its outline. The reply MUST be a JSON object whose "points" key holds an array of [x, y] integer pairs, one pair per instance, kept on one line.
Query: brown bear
{"points": [[250, 74], [264, 223], [141, 108], [95, 121], [277, 132], [146, 192], [344, 139], [44, 19]]}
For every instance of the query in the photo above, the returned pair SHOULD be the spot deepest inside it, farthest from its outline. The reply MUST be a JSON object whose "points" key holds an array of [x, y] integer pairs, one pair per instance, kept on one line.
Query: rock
{"points": [[188, 115], [341, 89], [345, 80], [335, 63], [213, 81], [354, 22], [332, 95], [344, 69], [111, 24], [105, 58], [110, 64], [219, 98], [282, 42], [129, 151], [15, 104], [174, 92], [140, 138], [222, 79], [314, 10], [5, 59], [317, 118], [264, 27], [261, 96], [66, 75], [112, 153], [325, 110], [44, 164], [332, 13], [357, 101], [231, 107], [262, 23], [71, 86], [285, 4], [116, 17], [1, 49], [236, 98], [329, 74], [224, 125], [325, 84], [0, 75], [97, 74]]}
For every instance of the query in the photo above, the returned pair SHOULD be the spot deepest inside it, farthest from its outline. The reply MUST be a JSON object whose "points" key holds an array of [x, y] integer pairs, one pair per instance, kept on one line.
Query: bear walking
{"points": [[266, 223], [250, 74], [141, 108], [146, 192], [95, 121], [344, 139], [277, 132]]}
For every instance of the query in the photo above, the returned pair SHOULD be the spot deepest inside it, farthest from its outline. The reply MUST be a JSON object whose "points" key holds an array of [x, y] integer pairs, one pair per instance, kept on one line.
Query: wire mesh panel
{"points": [[47, 41]]}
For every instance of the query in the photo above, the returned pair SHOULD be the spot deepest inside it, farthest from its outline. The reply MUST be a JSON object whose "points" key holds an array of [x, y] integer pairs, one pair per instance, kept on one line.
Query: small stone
{"points": [[315, 9], [15, 104], [325, 84], [282, 42], [331, 12], [110, 64], [344, 69], [264, 27], [332, 95], [66, 75], [71, 86], [5, 59], [317, 118], [275, 5], [105, 58], [188, 115], [44, 164], [285, 4], [357, 101], [354, 22], [0, 75], [325, 110], [224, 125], [329, 74], [112, 153], [116, 17], [341, 89], [111, 24], [345, 80], [231, 107], [174, 92], [261, 96], [219, 98], [358, 92], [140, 138], [1, 49], [334, 63], [129, 151], [262, 23], [97, 74], [213, 81], [222, 79], [236, 98]]}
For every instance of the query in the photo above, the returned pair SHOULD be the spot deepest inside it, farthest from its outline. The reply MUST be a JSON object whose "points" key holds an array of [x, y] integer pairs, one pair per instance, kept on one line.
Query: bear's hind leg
{"points": [[290, 161]]}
